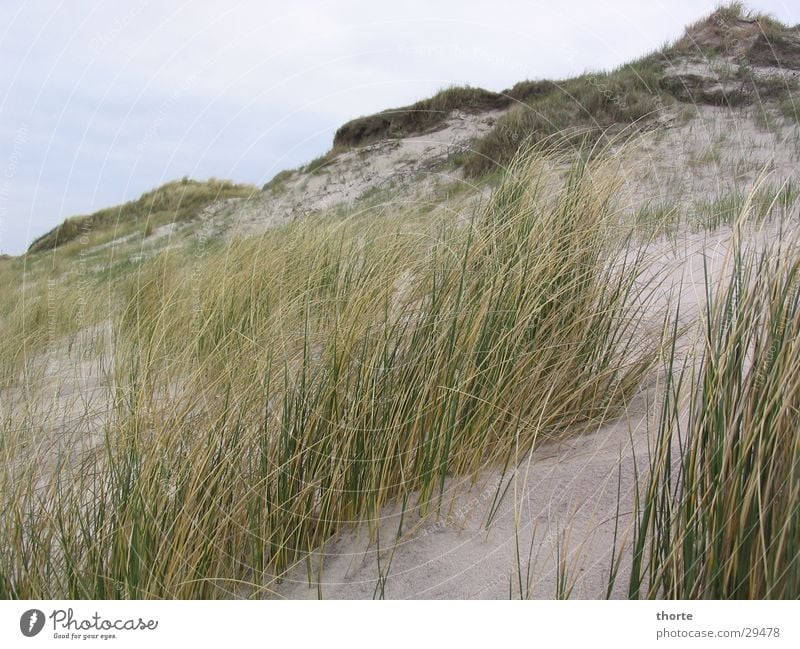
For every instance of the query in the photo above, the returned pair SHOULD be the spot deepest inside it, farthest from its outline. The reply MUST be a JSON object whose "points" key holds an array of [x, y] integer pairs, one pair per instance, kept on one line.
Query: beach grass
{"points": [[270, 393]]}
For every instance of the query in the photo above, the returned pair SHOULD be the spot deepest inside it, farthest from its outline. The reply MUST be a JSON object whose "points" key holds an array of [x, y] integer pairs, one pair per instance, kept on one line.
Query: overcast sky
{"points": [[103, 100]]}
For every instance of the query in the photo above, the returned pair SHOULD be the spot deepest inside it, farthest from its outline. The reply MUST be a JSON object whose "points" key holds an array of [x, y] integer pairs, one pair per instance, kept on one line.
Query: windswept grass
{"points": [[720, 515], [270, 394], [763, 202]]}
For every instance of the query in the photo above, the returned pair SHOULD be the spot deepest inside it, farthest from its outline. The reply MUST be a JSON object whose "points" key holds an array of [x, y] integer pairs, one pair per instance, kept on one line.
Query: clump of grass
{"points": [[720, 515], [321, 163], [711, 156], [270, 394], [687, 114], [658, 218], [724, 32], [767, 201], [765, 118], [585, 106], [790, 109]]}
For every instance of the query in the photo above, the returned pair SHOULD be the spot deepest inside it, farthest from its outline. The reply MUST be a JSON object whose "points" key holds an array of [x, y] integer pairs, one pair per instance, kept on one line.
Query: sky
{"points": [[101, 101]]}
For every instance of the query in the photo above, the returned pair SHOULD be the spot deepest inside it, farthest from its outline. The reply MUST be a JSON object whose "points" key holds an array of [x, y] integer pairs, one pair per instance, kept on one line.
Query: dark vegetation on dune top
{"points": [[593, 104]]}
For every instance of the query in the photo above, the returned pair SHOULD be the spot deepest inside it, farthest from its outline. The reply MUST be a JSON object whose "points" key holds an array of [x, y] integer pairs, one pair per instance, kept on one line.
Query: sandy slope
{"points": [[415, 162], [702, 155]]}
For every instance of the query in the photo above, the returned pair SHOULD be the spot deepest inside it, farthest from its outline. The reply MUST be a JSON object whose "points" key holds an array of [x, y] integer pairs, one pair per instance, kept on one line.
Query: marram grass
{"points": [[719, 516], [270, 393]]}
